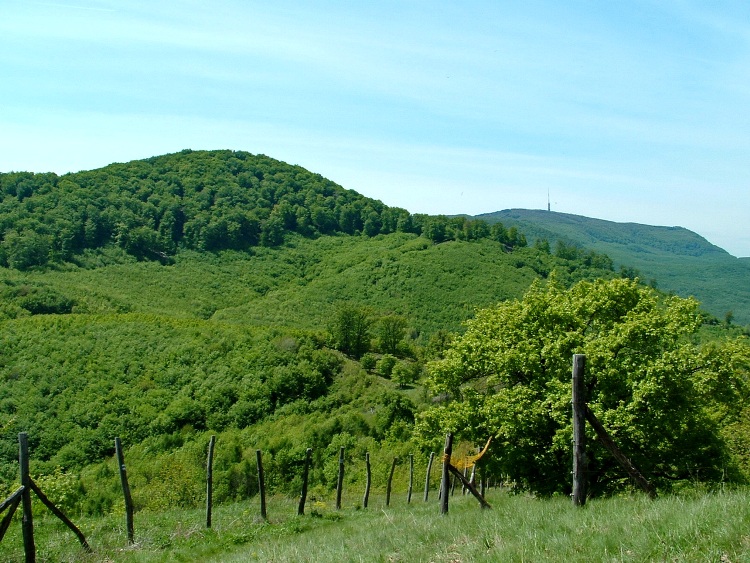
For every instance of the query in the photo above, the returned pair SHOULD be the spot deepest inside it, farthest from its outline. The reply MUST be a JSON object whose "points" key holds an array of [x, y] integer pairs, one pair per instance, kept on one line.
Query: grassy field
{"points": [[692, 527]]}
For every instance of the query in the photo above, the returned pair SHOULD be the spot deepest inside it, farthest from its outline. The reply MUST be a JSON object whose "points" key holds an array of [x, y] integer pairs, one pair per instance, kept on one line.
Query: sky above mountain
{"points": [[626, 111]]}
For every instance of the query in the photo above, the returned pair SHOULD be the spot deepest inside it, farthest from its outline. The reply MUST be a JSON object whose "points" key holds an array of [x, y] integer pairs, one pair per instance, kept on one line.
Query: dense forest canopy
{"points": [[203, 200]]}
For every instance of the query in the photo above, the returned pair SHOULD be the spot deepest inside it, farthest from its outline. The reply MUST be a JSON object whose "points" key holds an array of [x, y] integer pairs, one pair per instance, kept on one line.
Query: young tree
{"points": [[663, 399], [391, 330], [350, 330]]}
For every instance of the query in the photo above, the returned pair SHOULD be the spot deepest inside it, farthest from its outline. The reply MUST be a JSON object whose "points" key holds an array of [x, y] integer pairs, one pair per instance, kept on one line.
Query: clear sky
{"points": [[631, 111]]}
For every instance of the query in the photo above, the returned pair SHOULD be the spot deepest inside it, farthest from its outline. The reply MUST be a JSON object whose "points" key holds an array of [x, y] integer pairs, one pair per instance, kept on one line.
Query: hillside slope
{"points": [[678, 259]]}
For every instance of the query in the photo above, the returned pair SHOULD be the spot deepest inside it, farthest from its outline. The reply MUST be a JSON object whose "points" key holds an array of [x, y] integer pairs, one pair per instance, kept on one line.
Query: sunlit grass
{"points": [[707, 527]]}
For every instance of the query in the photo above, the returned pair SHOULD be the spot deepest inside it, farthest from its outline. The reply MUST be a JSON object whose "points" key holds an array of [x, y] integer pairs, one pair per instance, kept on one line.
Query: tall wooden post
{"points": [[340, 481], [125, 491], [390, 482], [261, 484], [579, 431], [210, 480], [368, 480], [411, 478], [305, 476], [445, 481], [27, 523], [427, 477]]}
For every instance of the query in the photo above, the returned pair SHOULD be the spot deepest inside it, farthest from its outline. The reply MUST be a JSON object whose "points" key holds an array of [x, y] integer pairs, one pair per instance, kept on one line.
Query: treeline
{"points": [[202, 200]]}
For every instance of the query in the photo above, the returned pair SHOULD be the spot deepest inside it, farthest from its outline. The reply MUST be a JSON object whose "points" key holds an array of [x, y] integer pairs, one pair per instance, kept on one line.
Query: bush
{"points": [[385, 365], [368, 361]]}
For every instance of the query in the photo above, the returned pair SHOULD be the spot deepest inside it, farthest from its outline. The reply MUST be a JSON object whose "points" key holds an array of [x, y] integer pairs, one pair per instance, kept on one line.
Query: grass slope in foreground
{"points": [[709, 527]]}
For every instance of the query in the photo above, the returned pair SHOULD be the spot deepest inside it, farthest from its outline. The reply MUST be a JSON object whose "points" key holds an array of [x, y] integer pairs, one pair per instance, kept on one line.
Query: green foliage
{"points": [[406, 373], [391, 331], [204, 200], [680, 260], [385, 365], [65, 490], [350, 329], [169, 299], [663, 399], [24, 250], [368, 361]]}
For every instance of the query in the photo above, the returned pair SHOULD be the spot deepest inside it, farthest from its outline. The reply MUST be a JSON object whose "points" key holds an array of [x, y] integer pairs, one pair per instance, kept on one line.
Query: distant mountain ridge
{"points": [[678, 259]]}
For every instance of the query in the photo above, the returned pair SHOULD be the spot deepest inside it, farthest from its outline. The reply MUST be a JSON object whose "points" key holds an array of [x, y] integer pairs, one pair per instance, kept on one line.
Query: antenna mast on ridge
{"points": [[549, 206]]}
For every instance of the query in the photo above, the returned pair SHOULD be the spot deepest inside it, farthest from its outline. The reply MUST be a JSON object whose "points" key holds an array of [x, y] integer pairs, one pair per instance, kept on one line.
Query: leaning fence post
{"points": [[445, 481], [125, 491], [340, 481], [368, 480], [579, 431], [390, 482], [210, 480], [305, 477], [411, 478], [261, 484], [27, 523], [427, 477]]}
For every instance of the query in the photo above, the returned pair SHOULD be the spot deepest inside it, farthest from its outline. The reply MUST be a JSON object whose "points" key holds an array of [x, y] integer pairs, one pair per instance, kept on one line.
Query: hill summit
{"points": [[674, 258]]}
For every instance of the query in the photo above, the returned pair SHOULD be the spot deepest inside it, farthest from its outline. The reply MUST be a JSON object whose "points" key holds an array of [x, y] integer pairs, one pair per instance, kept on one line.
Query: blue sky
{"points": [[632, 111]]}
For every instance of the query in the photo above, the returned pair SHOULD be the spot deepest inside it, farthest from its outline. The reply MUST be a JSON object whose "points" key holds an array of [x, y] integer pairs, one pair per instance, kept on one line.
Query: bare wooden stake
{"points": [[579, 431], [261, 484], [427, 477], [28, 520], [445, 480], [12, 506], [305, 477], [210, 480], [390, 482], [411, 478], [125, 491], [15, 496], [340, 481], [368, 480]]}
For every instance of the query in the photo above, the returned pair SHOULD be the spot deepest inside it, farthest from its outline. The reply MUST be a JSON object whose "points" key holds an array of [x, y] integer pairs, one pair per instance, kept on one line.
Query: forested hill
{"points": [[676, 258], [200, 200]]}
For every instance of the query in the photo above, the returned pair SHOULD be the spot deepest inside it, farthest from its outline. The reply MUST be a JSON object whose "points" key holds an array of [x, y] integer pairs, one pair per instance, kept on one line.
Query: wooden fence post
{"points": [[210, 480], [125, 491], [27, 523], [579, 431], [340, 481], [411, 478], [446, 472], [261, 484], [368, 480], [390, 482], [427, 477], [305, 476]]}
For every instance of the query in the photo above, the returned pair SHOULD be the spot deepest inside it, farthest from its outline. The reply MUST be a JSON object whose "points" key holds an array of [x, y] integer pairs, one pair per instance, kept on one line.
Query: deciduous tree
{"points": [[662, 398]]}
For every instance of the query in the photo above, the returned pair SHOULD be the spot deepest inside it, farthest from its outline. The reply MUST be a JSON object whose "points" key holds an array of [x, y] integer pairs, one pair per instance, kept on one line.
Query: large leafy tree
{"points": [[663, 398]]}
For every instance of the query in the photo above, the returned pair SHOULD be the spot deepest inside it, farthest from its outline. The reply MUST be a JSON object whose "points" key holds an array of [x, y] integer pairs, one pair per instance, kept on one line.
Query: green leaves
{"points": [[658, 394]]}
